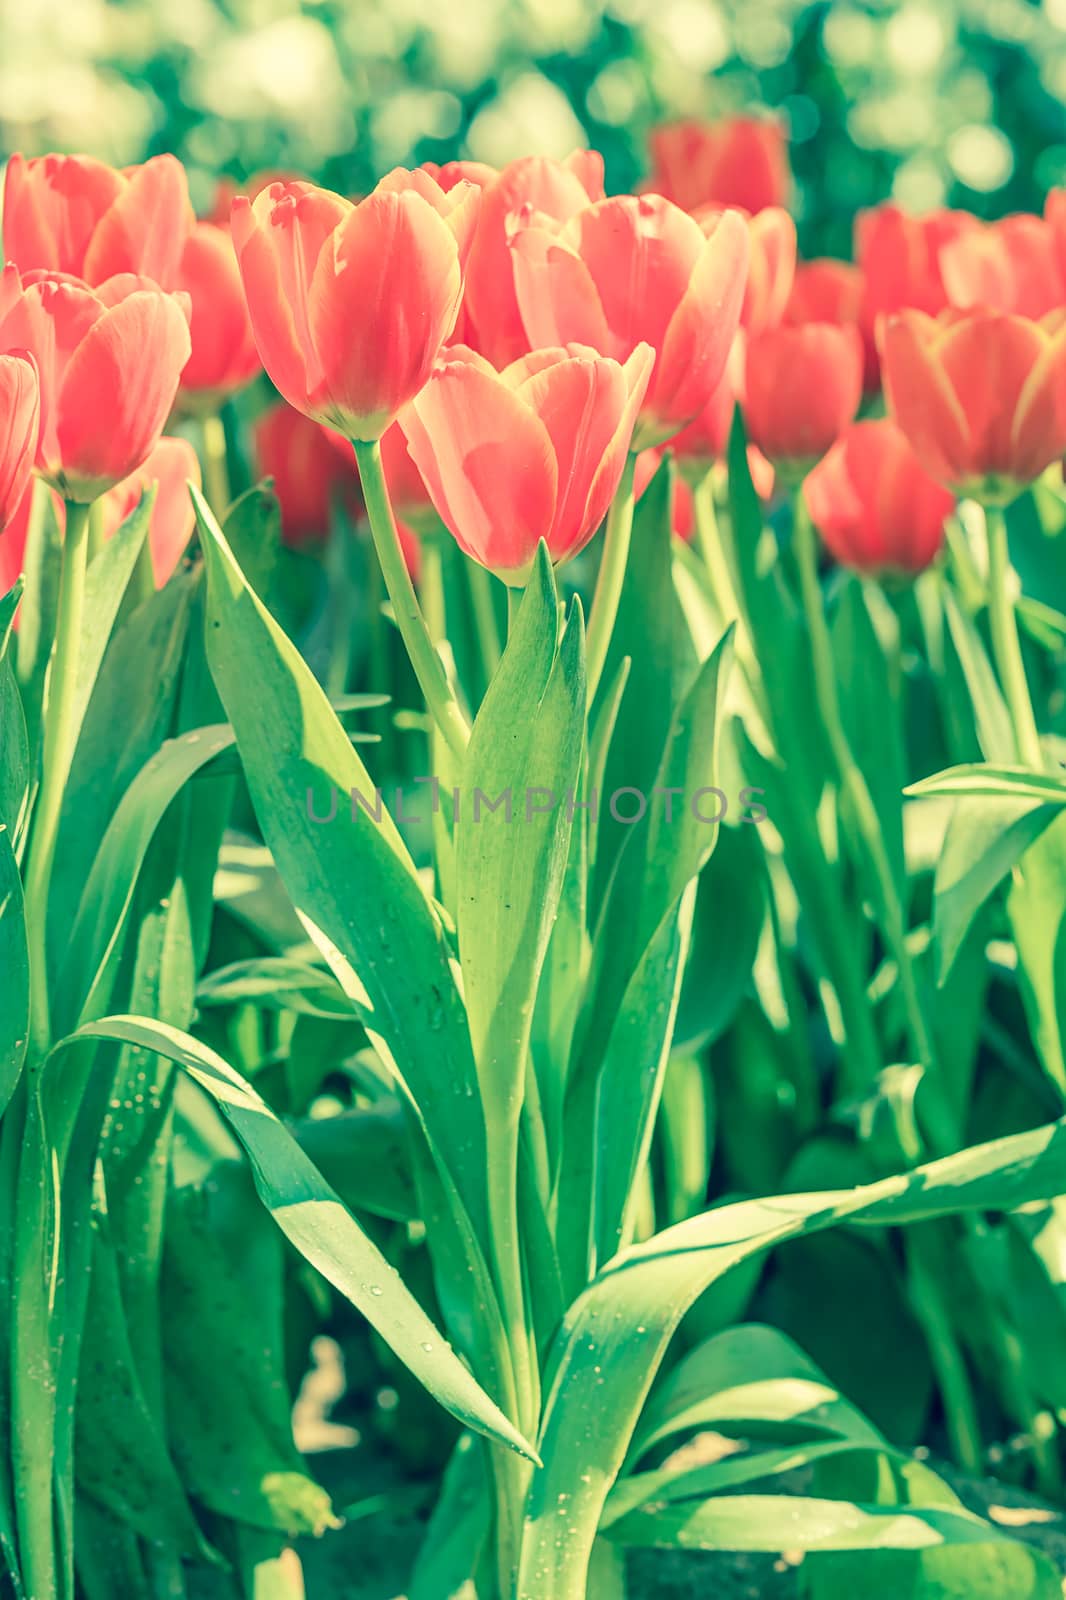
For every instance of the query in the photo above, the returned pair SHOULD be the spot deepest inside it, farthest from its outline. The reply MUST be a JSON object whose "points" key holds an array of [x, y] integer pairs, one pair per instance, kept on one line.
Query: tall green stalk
{"points": [[1005, 643], [58, 751], [608, 591], [429, 670]]}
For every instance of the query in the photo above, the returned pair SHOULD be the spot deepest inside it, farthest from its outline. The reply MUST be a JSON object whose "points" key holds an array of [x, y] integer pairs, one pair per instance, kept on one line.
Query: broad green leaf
{"points": [[41, 565], [106, 581], [458, 1529], [615, 1335], [141, 673], [94, 943], [9, 604], [365, 1155], [751, 1375], [732, 887], [316, 1223], [227, 1399], [982, 779], [650, 632], [994, 729], [1036, 906], [277, 983], [791, 1522], [985, 839], [526, 745], [636, 971], [351, 879], [14, 972], [14, 756]]}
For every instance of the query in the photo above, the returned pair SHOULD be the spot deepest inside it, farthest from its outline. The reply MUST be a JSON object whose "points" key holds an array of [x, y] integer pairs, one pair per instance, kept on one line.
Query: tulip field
{"points": [[532, 880]]}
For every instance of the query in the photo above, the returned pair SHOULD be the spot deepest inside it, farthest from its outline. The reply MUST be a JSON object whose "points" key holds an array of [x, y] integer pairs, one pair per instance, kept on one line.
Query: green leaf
{"points": [[9, 604], [14, 756], [324, 1232], [986, 780], [526, 744], [41, 565], [719, 971], [15, 967], [458, 1529], [994, 728], [614, 1337], [276, 983], [106, 581], [985, 839], [791, 1522], [351, 879], [94, 943], [1036, 907]]}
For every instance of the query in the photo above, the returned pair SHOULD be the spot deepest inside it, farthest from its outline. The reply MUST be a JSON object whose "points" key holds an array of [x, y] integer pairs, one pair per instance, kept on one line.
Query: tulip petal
{"points": [[487, 462], [144, 229], [693, 356], [921, 397], [20, 414], [117, 391], [637, 371], [557, 298], [224, 355], [640, 251], [51, 207], [579, 401], [988, 361], [381, 304]]}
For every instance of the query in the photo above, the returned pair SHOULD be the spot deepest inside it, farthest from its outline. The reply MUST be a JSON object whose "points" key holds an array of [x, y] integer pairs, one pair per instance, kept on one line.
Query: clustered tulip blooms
{"points": [[576, 285]]}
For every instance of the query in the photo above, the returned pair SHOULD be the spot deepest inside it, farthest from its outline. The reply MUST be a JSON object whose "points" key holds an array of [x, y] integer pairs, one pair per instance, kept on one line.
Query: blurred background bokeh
{"points": [[928, 102]]}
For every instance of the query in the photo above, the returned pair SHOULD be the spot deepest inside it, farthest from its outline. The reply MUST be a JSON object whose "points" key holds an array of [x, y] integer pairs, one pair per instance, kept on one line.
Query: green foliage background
{"points": [[962, 101]]}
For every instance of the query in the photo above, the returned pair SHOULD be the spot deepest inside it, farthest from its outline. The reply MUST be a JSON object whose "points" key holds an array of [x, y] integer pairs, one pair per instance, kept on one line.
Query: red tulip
{"points": [[76, 215], [108, 360], [310, 469], [632, 270], [980, 395], [899, 257], [802, 386], [742, 161], [832, 291], [551, 189], [171, 465], [20, 420], [224, 357], [874, 505], [350, 304], [682, 507], [1011, 265], [535, 452]]}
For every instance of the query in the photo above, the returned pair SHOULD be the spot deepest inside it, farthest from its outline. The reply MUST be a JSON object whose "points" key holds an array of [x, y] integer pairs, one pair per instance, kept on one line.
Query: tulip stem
{"points": [[608, 592], [853, 783], [58, 752], [1006, 646], [216, 474], [427, 664], [488, 629]]}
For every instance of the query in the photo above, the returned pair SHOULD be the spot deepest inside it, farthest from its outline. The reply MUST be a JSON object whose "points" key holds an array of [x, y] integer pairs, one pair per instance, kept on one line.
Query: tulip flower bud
{"points": [[350, 304], [802, 386], [980, 395], [825, 290], [741, 161], [874, 505], [535, 452], [633, 270], [108, 362]]}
